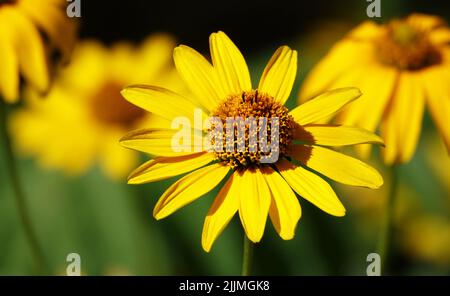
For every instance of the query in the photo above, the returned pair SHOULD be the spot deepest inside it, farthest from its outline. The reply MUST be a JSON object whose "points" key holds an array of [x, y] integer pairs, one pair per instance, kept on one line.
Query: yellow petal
{"points": [[344, 58], [324, 105], [311, 187], [438, 100], [159, 142], [30, 49], [254, 203], [403, 119], [440, 36], [279, 75], [337, 166], [156, 57], [367, 31], [90, 57], [353, 77], [199, 76], [9, 69], [230, 64], [285, 211], [377, 91], [189, 188], [53, 20], [116, 161], [389, 131], [367, 112], [165, 167], [336, 135], [222, 210], [425, 22], [160, 101]]}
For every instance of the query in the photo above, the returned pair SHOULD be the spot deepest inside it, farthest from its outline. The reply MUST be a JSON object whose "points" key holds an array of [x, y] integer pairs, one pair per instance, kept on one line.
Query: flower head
{"points": [[79, 122], [400, 67], [256, 185], [24, 51]]}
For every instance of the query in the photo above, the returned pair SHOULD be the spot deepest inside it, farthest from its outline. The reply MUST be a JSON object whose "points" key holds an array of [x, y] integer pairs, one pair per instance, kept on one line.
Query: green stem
{"points": [[247, 257], [384, 241], [18, 192]]}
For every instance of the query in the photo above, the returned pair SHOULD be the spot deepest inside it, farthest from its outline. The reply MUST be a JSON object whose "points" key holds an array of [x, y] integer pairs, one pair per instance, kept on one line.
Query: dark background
{"points": [[250, 23]]}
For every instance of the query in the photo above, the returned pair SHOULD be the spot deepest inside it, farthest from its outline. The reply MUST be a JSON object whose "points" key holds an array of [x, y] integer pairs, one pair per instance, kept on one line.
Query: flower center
{"points": [[251, 117], [406, 47], [110, 108]]}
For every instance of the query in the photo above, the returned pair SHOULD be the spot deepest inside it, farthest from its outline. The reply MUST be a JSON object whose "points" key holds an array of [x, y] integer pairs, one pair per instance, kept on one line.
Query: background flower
{"points": [[399, 66], [79, 122], [31, 32]]}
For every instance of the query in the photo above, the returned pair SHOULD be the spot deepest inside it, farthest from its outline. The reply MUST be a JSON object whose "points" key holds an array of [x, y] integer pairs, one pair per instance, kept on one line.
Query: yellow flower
{"points": [[399, 67], [435, 239], [23, 51], [82, 118], [254, 189]]}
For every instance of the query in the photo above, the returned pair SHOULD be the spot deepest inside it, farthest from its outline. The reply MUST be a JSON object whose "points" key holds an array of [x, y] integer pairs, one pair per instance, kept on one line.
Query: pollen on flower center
{"points": [[110, 108], [248, 105], [406, 47]]}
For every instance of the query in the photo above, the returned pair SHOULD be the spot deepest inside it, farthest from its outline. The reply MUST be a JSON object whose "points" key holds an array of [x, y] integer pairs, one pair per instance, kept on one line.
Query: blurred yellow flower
{"points": [[399, 67], [82, 118], [254, 189], [427, 237], [24, 51]]}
